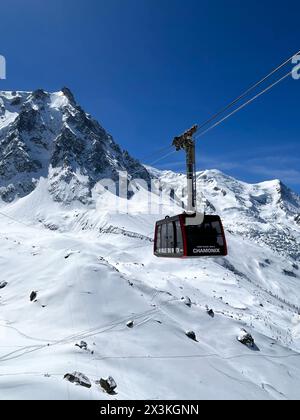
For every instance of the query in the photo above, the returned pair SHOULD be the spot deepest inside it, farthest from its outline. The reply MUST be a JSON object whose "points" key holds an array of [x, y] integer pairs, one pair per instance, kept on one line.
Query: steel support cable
{"points": [[130, 176], [155, 153], [246, 93], [163, 157], [234, 102], [245, 104]]}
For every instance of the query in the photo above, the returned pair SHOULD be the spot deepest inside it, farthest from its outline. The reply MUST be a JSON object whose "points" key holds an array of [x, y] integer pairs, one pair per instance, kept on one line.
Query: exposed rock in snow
{"points": [[78, 379], [83, 345], [210, 312], [109, 385], [33, 296], [246, 338], [187, 301], [3, 284], [289, 273], [191, 335]]}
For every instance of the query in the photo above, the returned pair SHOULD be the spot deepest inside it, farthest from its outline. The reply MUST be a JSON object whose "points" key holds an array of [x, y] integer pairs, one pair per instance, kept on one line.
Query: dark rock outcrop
{"points": [[78, 379], [50, 135], [33, 296], [191, 335], [246, 339], [109, 385]]}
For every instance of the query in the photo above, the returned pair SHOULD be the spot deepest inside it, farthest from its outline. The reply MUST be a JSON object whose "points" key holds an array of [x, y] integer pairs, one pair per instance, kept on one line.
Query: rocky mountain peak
{"points": [[67, 92], [44, 133]]}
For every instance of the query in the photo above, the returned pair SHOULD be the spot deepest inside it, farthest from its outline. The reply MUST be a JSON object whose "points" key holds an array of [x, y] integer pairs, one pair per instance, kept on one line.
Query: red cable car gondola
{"points": [[175, 239], [190, 234]]}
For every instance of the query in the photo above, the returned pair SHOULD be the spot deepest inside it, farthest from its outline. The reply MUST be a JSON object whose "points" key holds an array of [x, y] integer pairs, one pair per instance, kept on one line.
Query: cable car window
{"points": [[158, 239], [164, 233], [170, 238], [179, 238], [217, 227], [203, 235], [209, 234], [220, 241]]}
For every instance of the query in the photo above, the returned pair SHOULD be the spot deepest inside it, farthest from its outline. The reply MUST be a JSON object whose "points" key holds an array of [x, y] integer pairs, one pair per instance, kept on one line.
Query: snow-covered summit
{"points": [[49, 135]]}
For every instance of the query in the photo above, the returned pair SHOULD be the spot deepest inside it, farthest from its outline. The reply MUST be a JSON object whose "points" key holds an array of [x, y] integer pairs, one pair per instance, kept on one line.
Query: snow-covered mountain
{"points": [[96, 280], [49, 135]]}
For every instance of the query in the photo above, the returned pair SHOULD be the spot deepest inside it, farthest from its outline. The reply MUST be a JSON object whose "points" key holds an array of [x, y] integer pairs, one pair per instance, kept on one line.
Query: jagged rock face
{"points": [[48, 135]]}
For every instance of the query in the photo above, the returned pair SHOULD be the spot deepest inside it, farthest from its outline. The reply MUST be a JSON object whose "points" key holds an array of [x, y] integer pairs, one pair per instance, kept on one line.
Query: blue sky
{"points": [[149, 69]]}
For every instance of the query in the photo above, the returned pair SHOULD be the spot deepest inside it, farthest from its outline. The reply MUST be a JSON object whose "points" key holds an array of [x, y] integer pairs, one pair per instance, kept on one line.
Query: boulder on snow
{"points": [[289, 273], [210, 312], [33, 296], [83, 345], [78, 379], [130, 324], [109, 385], [3, 284], [187, 301], [246, 339], [191, 335]]}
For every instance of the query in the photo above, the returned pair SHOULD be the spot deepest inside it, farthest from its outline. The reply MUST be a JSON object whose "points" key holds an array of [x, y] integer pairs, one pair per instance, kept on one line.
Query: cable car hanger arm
{"points": [[186, 142]]}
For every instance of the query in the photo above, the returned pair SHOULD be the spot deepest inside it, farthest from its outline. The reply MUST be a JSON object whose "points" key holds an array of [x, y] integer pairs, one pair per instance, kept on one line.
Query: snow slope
{"points": [[94, 271]]}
